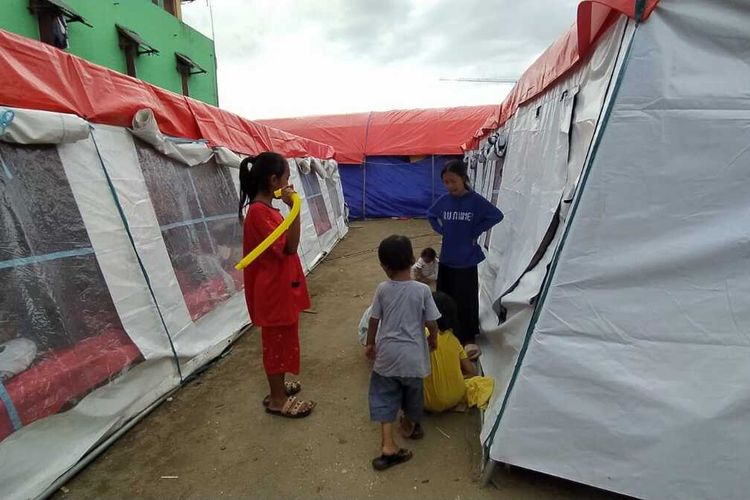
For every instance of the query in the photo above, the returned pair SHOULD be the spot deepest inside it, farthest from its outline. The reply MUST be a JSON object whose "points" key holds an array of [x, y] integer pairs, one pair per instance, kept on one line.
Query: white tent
{"points": [[615, 301], [117, 253]]}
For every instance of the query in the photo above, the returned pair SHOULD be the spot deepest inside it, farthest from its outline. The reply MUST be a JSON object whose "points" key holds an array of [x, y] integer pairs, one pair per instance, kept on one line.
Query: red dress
{"points": [[275, 291]]}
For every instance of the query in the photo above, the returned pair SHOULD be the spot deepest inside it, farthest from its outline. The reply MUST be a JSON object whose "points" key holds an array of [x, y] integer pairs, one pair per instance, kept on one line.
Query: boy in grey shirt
{"points": [[401, 310]]}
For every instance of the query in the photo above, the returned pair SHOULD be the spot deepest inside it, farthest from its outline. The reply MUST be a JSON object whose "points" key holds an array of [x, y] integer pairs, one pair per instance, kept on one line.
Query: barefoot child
{"points": [[401, 309], [426, 269], [275, 287]]}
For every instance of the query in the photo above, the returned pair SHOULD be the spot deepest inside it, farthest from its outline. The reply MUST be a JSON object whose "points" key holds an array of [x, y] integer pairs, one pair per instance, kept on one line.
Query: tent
{"points": [[118, 238], [390, 161], [615, 300]]}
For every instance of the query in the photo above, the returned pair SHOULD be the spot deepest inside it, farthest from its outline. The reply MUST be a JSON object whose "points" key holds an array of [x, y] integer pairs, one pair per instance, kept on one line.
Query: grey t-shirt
{"points": [[403, 307]]}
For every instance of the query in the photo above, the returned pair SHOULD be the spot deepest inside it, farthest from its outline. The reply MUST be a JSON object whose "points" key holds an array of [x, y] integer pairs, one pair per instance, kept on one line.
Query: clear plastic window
{"points": [[197, 212]]}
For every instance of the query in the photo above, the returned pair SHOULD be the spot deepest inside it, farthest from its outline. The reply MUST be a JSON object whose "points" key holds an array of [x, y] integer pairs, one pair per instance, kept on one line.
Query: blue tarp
{"points": [[392, 186]]}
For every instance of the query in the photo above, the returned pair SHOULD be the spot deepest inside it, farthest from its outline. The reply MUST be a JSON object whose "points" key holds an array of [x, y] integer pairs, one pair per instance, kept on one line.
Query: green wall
{"points": [[100, 44]]}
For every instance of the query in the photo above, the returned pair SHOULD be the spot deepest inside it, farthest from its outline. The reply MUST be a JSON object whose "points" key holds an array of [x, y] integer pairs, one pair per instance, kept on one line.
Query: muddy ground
{"points": [[213, 439]]}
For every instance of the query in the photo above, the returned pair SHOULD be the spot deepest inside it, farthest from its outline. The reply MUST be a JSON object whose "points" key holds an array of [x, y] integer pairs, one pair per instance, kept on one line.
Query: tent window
{"points": [[196, 208], [53, 17], [333, 194], [54, 300], [316, 202], [133, 46], [496, 183], [186, 67]]}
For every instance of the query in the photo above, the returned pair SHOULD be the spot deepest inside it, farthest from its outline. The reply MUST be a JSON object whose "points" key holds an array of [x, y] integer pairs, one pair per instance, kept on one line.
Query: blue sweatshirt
{"points": [[461, 219]]}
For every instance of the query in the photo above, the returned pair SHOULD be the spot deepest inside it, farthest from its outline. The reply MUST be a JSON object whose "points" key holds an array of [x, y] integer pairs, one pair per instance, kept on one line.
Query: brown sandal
{"points": [[292, 387], [294, 408]]}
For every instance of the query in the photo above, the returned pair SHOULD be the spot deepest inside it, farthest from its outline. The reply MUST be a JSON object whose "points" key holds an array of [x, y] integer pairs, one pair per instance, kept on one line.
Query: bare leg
{"points": [[389, 444], [278, 391], [407, 426]]}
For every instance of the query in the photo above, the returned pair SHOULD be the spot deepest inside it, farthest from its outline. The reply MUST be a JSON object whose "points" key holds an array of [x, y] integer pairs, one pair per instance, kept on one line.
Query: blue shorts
{"points": [[388, 395]]}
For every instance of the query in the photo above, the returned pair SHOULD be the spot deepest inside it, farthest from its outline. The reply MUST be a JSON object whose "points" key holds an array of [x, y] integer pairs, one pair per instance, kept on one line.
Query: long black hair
{"points": [[457, 167], [448, 312], [255, 176]]}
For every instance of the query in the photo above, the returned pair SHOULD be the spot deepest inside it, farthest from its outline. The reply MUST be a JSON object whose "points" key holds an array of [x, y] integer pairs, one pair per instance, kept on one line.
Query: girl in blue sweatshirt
{"points": [[461, 216]]}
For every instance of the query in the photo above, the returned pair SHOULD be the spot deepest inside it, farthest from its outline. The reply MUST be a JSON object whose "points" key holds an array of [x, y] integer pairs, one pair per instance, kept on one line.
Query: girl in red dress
{"points": [[275, 286]]}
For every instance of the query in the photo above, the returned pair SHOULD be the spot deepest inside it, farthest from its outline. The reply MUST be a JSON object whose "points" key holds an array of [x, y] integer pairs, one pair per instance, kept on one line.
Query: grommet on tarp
{"points": [[6, 117]]}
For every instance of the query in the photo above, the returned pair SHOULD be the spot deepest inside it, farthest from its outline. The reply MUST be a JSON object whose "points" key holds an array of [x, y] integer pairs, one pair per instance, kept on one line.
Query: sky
{"points": [[280, 58]]}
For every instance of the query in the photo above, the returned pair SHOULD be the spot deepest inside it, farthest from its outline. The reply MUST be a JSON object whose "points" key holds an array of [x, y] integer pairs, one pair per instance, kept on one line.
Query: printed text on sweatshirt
{"points": [[461, 220]]}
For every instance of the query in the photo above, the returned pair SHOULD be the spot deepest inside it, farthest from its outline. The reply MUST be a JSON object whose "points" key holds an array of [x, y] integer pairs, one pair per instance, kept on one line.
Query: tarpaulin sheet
{"points": [[439, 131], [635, 377], [392, 186], [547, 145], [60, 335], [38, 76], [593, 19], [353, 181]]}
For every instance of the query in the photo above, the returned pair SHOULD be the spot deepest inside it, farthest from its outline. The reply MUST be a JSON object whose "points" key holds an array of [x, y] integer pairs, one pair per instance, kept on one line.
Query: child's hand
{"points": [[286, 195], [370, 352], [432, 342]]}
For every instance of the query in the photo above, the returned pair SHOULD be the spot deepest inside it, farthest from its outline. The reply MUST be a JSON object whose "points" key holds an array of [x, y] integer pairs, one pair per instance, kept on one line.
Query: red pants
{"points": [[280, 349]]}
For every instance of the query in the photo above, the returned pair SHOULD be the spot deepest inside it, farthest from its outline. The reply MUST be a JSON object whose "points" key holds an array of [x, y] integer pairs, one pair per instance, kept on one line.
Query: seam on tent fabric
{"points": [[10, 408], [38, 259], [555, 258], [203, 216], [199, 220], [121, 210]]}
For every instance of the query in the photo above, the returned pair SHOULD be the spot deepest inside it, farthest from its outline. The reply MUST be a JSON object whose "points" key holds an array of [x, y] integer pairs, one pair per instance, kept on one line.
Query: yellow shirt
{"points": [[445, 387]]}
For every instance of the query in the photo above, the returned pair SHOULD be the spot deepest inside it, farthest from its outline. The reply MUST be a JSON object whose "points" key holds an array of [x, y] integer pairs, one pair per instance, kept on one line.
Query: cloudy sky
{"points": [[281, 58]]}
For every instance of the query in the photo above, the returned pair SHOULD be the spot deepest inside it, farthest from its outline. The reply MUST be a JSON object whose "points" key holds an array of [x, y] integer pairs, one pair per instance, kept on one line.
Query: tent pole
{"points": [[364, 189], [487, 472], [432, 179]]}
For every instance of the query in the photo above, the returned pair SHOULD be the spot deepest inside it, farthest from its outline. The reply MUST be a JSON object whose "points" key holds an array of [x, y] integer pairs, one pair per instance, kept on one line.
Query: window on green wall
{"points": [[168, 5], [186, 67], [53, 17], [133, 46]]}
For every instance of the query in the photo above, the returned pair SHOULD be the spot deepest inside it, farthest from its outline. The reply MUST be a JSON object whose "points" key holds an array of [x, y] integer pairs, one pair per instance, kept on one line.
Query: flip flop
{"points": [[384, 462], [294, 408], [292, 387], [416, 433]]}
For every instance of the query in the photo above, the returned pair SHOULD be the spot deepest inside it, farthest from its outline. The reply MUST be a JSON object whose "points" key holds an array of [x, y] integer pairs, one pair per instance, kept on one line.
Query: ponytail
{"points": [[248, 185], [255, 176]]}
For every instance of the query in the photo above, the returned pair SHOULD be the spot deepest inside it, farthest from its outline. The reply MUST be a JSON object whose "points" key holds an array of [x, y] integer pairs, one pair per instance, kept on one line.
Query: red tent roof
{"points": [[594, 18], [391, 133], [38, 76]]}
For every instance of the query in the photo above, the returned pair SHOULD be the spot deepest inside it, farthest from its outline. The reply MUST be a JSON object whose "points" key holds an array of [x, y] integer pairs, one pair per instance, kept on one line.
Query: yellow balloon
{"points": [[271, 238]]}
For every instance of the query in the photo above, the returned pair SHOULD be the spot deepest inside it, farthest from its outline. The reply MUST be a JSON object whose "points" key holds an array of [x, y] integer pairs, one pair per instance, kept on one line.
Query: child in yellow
{"points": [[452, 371]]}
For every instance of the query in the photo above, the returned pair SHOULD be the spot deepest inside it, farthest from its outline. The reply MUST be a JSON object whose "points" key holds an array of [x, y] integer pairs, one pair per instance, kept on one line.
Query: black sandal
{"points": [[417, 433], [384, 462]]}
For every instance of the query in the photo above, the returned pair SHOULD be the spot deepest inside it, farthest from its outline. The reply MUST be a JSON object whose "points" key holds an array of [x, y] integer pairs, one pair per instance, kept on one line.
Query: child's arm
{"points": [[372, 330], [467, 368], [489, 215], [293, 233], [433, 215], [432, 327], [417, 273]]}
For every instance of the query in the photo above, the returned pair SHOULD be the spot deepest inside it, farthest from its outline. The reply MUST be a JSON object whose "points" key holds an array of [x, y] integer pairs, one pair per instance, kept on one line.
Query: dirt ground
{"points": [[213, 440]]}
